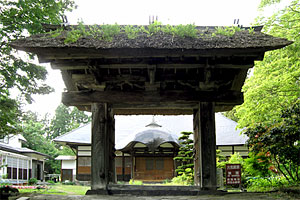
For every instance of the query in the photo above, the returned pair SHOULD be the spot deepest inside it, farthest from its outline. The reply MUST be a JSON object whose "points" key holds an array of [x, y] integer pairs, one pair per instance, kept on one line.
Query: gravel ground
{"points": [[235, 196]]}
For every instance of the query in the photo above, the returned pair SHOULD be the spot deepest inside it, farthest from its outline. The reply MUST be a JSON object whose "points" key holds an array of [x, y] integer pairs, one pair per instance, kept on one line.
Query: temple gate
{"points": [[158, 74]]}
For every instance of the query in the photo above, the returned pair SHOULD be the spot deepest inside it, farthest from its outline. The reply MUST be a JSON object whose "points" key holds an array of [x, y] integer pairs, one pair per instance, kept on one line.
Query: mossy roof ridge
{"points": [[160, 40]]}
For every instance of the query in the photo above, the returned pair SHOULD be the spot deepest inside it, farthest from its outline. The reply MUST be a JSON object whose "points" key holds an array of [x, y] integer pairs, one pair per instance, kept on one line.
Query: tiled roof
{"points": [[19, 150], [127, 128]]}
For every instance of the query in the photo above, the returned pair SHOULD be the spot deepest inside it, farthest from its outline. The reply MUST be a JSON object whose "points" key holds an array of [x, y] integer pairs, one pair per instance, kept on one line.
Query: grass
{"points": [[59, 189]]}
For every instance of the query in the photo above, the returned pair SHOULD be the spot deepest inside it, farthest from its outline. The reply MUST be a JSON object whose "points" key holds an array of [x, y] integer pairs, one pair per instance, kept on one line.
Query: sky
{"points": [[174, 12]]}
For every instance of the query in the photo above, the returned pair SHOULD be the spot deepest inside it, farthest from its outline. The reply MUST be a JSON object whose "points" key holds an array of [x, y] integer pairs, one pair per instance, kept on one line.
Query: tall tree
{"points": [[65, 120], [18, 19], [33, 131], [275, 83]]}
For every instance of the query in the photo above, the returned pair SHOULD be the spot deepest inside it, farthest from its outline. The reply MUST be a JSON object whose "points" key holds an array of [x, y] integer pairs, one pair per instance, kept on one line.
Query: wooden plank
{"points": [[100, 153], [207, 146], [52, 54], [74, 66], [239, 79], [158, 109], [175, 96], [197, 158]]}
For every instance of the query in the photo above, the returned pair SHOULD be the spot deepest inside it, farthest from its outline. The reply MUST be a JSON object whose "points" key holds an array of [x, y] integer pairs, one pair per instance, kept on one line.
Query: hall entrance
{"points": [[153, 168]]}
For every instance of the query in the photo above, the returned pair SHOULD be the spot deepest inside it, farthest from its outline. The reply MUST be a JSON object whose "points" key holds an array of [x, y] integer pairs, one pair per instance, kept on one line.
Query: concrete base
{"points": [[98, 192], [142, 190]]}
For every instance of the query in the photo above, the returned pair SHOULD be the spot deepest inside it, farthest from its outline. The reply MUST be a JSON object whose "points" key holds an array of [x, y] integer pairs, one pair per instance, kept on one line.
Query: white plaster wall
{"points": [[69, 164], [14, 141]]}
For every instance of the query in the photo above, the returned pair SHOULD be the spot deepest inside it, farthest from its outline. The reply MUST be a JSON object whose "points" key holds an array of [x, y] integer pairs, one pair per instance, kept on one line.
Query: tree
{"points": [[33, 132], [18, 19], [185, 157], [280, 142], [65, 120], [275, 83]]}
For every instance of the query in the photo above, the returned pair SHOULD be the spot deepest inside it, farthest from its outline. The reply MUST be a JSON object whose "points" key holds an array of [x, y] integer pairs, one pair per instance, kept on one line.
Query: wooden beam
{"points": [[75, 66], [239, 79], [51, 54], [158, 108], [176, 96]]}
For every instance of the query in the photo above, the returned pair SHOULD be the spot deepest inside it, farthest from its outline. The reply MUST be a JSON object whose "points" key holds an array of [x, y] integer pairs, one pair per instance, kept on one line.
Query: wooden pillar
{"points": [[132, 165], [197, 155], [100, 144], [205, 146], [123, 167], [111, 145]]}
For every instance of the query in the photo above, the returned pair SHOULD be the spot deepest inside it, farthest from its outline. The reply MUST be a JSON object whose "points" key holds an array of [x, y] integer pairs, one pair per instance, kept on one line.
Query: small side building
{"points": [[68, 167], [19, 163]]}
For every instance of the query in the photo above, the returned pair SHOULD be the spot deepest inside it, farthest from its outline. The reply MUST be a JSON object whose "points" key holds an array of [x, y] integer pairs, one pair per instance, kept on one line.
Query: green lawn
{"points": [[59, 189]]}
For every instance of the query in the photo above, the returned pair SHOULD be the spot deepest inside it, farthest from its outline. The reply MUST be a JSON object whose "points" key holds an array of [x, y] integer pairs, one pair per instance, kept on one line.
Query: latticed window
{"points": [[84, 161]]}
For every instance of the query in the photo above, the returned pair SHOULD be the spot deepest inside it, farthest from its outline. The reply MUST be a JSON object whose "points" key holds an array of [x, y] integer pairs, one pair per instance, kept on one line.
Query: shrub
{"points": [[259, 184], [135, 182], [32, 181], [51, 182]]}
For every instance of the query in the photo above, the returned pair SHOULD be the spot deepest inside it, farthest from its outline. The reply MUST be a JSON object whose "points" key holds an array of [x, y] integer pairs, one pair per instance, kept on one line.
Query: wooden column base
{"points": [[205, 146]]}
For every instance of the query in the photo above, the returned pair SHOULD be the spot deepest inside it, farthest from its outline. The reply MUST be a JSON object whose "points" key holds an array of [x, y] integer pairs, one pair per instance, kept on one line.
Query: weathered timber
{"points": [[111, 145], [197, 144], [239, 79], [88, 97], [54, 54], [100, 151], [207, 145], [67, 78], [74, 66]]}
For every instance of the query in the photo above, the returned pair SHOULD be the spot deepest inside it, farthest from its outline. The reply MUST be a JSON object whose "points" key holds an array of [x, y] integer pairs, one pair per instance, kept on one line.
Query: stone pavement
{"points": [[231, 196]]}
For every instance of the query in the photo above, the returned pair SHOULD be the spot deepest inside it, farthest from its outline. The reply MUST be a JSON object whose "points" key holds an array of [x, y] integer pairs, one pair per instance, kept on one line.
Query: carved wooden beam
{"points": [[131, 97], [76, 66]]}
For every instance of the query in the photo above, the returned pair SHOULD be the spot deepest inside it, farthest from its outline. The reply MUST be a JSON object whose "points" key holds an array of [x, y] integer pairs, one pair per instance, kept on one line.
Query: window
{"points": [[9, 172], [149, 163], [154, 163], [159, 164], [15, 173], [24, 174], [84, 161]]}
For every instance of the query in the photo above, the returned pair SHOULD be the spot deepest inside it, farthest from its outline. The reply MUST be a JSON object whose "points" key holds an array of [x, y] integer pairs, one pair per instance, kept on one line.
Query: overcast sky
{"points": [[200, 12]]}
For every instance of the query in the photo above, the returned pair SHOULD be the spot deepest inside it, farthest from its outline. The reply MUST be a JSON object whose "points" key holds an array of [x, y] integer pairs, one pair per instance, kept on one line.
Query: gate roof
{"points": [[157, 73]]}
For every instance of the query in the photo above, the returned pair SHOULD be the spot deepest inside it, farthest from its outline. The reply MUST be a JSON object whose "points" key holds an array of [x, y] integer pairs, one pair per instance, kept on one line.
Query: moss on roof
{"points": [[206, 38]]}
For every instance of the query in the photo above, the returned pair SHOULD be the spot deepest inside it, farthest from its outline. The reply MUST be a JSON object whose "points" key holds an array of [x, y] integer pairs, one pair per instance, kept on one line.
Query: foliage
{"points": [[40, 132], [258, 165], [17, 19], [227, 31], [33, 131], [185, 154], [32, 181], [275, 83], [65, 120], [59, 189], [135, 182], [131, 31], [184, 179], [51, 182], [280, 142], [185, 158], [263, 184], [107, 32], [235, 158]]}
